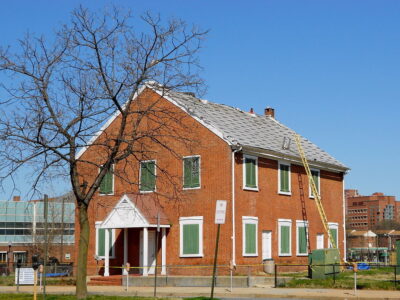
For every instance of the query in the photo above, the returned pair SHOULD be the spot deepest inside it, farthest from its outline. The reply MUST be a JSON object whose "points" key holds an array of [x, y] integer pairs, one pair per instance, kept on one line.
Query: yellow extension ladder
{"points": [[314, 191]]}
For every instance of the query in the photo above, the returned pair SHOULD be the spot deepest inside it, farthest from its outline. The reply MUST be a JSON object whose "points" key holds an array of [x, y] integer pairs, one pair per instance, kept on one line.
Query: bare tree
{"points": [[60, 92]]}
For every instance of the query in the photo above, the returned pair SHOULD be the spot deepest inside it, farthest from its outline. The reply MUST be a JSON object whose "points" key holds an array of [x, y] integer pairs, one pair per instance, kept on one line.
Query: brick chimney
{"points": [[269, 112], [17, 198]]}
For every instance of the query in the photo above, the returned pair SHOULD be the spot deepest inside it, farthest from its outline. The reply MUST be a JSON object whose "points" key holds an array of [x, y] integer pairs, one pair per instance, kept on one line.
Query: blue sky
{"points": [[331, 69]]}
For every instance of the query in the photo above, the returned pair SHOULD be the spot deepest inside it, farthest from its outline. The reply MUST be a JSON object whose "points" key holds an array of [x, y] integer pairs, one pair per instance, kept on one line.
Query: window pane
{"points": [[147, 176], [250, 236], [191, 169], [191, 239], [334, 235], [284, 177], [285, 240], [302, 242], [250, 172], [106, 185]]}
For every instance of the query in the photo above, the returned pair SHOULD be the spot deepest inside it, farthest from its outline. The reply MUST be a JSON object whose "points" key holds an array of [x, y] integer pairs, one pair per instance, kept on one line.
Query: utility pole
{"points": [[45, 213]]}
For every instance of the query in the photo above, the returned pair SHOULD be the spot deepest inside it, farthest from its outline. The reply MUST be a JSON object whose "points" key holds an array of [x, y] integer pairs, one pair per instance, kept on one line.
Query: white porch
{"points": [[150, 220]]}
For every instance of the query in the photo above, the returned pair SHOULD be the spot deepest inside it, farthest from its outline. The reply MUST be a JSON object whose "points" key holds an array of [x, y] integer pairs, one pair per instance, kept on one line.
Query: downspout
{"points": [[233, 207], [344, 223]]}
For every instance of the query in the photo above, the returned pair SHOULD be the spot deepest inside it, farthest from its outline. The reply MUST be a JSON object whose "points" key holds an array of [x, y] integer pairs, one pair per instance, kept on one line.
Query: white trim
{"points": [[249, 220], [245, 156], [183, 172], [113, 183], [97, 227], [140, 176], [323, 241], [187, 221], [310, 195], [334, 225], [279, 178], [301, 223], [281, 223], [344, 221]]}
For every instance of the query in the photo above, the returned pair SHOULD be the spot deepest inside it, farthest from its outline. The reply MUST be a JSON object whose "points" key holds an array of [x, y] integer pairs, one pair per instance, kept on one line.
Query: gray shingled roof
{"points": [[251, 130]]}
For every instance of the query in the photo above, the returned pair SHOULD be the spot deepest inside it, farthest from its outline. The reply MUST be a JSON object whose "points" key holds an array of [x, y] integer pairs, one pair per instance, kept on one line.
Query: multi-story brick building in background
{"points": [[22, 229], [365, 212]]}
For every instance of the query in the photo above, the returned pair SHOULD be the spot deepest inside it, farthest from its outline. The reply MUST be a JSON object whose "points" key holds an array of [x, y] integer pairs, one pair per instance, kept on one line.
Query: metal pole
{"points": [[215, 262], [276, 276], [334, 274], [395, 276], [18, 278], [156, 252], [34, 284], [45, 212], [355, 283]]}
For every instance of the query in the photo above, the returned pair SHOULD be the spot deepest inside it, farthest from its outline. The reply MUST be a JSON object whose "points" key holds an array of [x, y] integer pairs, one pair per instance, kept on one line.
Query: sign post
{"points": [[220, 212]]}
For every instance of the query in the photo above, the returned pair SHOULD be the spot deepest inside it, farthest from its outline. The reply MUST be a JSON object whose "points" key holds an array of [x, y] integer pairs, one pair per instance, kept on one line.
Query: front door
{"points": [[266, 244], [151, 259]]}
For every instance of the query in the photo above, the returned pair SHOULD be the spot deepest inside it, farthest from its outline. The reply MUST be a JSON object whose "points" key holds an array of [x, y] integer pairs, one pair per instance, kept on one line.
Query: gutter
{"points": [[234, 151]]}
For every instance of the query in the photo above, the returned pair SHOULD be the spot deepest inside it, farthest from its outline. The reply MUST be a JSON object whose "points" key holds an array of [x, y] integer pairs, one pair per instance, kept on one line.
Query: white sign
{"points": [[220, 212], [26, 276]]}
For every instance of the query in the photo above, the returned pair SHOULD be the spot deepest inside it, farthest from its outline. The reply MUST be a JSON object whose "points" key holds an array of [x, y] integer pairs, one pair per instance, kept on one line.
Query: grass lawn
{"points": [[94, 297], [374, 279]]}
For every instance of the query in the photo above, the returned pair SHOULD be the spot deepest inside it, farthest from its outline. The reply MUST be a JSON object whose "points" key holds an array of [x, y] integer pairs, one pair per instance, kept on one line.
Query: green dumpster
{"points": [[324, 263]]}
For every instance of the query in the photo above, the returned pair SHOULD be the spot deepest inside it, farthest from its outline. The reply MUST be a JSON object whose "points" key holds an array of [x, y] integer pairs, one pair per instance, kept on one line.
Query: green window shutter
{"points": [[285, 242], [101, 235], [191, 238], [315, 176], [302, 242], [106, 185], [101, 242], [334, 236], [250, 172], [284, 177], [250, 239], [147, 176]]}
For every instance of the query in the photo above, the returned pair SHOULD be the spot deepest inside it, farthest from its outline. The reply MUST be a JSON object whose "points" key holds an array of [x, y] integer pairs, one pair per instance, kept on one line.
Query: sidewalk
{"points": [[256, 292]]}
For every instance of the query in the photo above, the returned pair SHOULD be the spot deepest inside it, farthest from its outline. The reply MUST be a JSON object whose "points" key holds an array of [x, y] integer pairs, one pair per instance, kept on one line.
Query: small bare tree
{"points": [[60, 92]]}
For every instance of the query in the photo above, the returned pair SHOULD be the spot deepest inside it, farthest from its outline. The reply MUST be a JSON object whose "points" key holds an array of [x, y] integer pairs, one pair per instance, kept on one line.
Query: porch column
{"points": [[107, 252], [145, 251], [163, 252], [125, 249]]}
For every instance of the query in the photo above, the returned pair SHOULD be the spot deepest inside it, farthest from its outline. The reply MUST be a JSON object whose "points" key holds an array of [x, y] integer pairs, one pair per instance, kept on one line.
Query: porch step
{"points": [[110, 280]]}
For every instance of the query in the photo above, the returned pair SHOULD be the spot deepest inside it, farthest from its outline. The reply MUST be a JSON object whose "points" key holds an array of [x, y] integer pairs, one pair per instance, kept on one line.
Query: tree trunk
{"points": [[81, 270]]}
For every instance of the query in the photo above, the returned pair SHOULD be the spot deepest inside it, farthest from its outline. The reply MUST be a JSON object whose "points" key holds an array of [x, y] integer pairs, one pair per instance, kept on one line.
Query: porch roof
{"points": [[136, 211]]}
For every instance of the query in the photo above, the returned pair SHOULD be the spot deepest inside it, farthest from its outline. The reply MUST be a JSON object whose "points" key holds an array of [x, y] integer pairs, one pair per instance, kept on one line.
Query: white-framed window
{"points": [[107, 183], [250, 172], [147, 176], [302, 238], [191, 236], [250, 236], [334, 230], [101, 241], [191, 172], [284, 180], [285, 237], [3, 257], [315, 173], [20, 255]]}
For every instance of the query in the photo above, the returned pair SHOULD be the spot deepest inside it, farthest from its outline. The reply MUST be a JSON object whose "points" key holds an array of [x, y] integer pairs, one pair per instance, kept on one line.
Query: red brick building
{"points": [[249, 160], [364, 212]]}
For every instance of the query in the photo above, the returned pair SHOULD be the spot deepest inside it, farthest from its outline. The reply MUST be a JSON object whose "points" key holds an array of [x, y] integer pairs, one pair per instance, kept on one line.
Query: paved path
{"points": [[257, 292]]}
